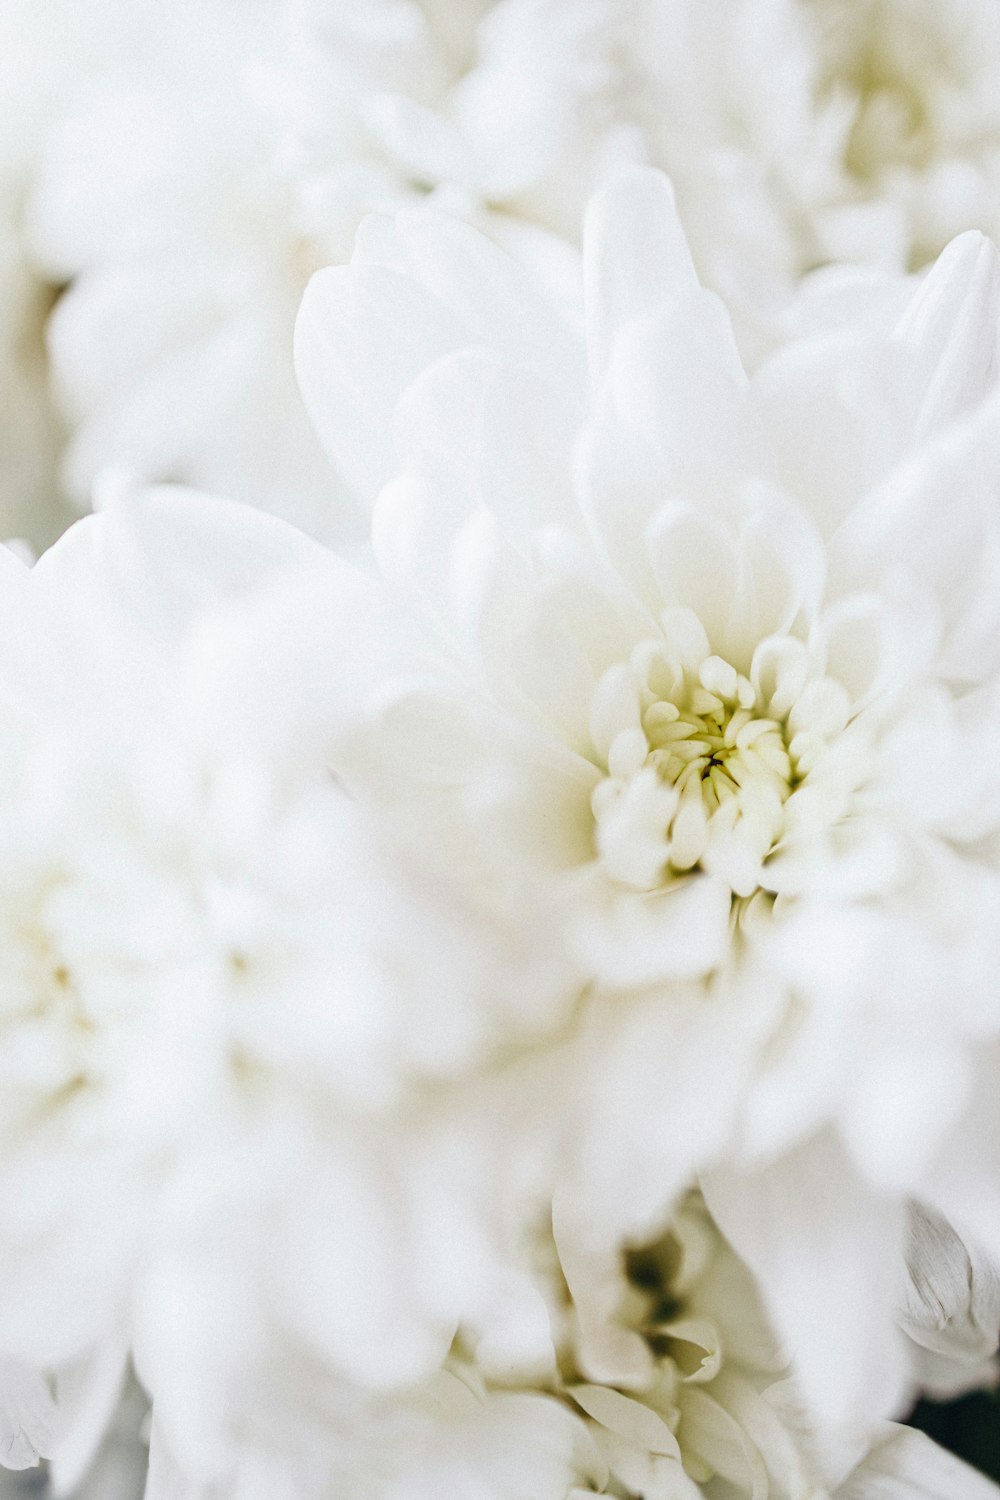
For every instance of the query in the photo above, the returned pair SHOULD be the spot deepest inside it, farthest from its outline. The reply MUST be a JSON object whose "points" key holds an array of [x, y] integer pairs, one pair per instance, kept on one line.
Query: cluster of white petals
{"points": [[187, 193], [499, 801]]}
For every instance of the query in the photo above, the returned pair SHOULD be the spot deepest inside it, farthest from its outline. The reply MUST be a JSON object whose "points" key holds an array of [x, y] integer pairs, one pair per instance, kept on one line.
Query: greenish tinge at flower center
{"points": [[892, 125], [712, 746], [892, 62], [700, 780], [650, 1273], [659, 1279]]}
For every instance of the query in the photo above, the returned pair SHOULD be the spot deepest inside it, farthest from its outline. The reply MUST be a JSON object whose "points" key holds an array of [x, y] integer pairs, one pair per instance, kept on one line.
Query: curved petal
{"points": [[907, 1465]]}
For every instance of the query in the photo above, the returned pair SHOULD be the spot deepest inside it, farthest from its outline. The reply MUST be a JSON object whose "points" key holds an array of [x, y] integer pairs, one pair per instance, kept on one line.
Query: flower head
{"points": [[241, 163], [226, 1007], [682, 655]]}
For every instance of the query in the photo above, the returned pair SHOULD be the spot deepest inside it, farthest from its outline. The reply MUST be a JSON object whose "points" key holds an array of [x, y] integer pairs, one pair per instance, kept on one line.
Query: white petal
{"points": [[27, 1416], [934, 520], [507, 432], [165, 1480], [677, 380], [627, 1418], [907, 1465], [162, 553], [951, 325], [88, 1394], [675, 934], [637, 255], [826, 1251], [952, 1304], [362, 335]]}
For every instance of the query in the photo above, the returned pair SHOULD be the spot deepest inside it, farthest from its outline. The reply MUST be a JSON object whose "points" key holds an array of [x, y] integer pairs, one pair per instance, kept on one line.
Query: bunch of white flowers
{"points": [[499, 789]]}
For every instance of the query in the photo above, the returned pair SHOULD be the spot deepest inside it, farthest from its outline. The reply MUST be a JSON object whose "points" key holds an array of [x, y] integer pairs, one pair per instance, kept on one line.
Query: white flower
{"points": [[719, 95], [667, 1352], [796, 132], [915, 88], [189, 209], [226, 1013], [706, 675], [188, 205], [657, 1374], [447, 1437]]}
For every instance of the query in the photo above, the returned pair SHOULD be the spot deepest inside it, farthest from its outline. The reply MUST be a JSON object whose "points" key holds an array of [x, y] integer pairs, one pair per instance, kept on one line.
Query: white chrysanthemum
{"points": [[705, 675], [188, 215], [448, 1436], [796, 131], [655, 1374], [719, 95], [915, 87], [189, 205], [224, 1011], [666, 1351]]}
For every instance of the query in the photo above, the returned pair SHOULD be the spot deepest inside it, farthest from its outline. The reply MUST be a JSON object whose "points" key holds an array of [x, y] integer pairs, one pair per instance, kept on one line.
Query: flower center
{"points": [[674, 1348], [702, 760], [700, 779], [652, 1302], [893, 62], [892, 124], [715, 741]]}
